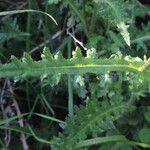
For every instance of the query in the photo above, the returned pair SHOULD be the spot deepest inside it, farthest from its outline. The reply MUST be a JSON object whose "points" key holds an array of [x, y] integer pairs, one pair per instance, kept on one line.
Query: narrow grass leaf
{"points": [[4, 13]]}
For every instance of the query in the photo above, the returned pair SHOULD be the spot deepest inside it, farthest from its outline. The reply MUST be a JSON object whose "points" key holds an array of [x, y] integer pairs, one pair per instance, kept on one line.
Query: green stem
{"points": [[146, 66], [70, 91], [94, 18], [41, 140], [28, 28], [46, 22], [27, 94], [2, 144]]}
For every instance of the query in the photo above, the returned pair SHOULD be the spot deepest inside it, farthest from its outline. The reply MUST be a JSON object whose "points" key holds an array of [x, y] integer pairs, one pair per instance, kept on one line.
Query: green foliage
{"points": [[144, 135], [115, 11], [141, 37], [147, 114], [96, 97], [10, 30], [53, 1], [90, 120]]}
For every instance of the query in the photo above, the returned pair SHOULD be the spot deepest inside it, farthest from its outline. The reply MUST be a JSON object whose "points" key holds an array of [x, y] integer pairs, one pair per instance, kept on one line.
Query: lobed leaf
{"points": [[58, 65]]}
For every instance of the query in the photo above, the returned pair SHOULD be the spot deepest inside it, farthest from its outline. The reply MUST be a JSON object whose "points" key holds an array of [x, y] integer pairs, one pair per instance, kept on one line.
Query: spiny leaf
{"points": [[76, 65], [124, 32], [115, 10], [91, 53], [15, 60], [47, 55], [77, 53], [89, 120], [27, 58], [10, 30], [59, 56]]}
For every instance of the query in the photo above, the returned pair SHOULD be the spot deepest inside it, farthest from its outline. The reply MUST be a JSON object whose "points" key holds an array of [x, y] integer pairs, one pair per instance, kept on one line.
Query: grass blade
{"points": [[5, 121], [4, 13], [50, 118]]}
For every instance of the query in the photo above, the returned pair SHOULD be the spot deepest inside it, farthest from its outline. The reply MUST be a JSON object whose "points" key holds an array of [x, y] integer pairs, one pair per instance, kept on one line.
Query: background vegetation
{"points": [[102, 111]]}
